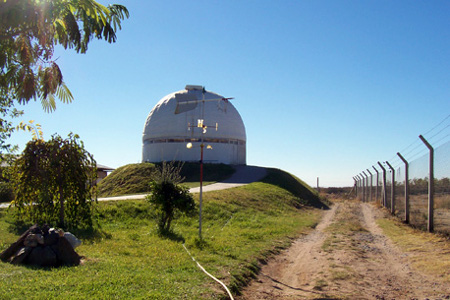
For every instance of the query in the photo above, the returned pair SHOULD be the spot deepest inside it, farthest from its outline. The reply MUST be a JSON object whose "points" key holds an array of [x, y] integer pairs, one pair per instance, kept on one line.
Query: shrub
{"points": [[6, 192], [170, 198]]}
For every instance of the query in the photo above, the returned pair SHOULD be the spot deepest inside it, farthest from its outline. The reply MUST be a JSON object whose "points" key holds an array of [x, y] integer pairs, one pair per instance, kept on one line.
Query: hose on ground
{"points": [[203, 269]]}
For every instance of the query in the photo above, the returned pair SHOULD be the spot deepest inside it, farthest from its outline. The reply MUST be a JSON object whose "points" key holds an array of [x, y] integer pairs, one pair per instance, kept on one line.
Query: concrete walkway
{"points": [[243, 176]]}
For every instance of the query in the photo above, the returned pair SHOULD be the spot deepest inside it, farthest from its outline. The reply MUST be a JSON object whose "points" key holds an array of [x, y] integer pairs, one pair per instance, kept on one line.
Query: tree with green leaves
{"points": [[54, 183], [169, 196], [29, 32]]}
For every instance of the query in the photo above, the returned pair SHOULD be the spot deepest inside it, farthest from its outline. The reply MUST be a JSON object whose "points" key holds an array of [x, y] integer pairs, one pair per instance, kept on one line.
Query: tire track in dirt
{"points": [[347, 256], [291, 272]]}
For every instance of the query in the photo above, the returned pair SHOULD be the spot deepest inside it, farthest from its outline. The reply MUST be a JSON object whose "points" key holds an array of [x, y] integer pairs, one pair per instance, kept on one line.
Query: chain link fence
{"points": [[402, 185]]}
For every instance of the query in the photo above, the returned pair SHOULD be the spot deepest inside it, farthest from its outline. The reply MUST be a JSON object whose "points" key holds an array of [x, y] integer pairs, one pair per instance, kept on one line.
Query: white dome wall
{"points": [[166, 133], [221, 153]]}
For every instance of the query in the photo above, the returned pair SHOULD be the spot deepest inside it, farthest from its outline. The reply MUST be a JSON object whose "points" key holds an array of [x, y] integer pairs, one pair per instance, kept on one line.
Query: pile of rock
{"points": [[43, 247]]}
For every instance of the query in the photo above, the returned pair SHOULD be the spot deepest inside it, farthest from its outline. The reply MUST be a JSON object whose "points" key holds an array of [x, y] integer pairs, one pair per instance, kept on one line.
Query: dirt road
{"points": [[345, 257]]}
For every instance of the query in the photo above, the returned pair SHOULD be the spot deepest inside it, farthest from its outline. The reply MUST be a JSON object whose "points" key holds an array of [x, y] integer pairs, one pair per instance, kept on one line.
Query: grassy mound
{"points": [[242, 227], [135, 178], [129, 179], [296, 186]]}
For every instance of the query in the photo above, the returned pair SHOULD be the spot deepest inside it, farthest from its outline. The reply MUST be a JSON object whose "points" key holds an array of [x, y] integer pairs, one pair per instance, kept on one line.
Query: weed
{"points": [[340, 275], [320, 284]]}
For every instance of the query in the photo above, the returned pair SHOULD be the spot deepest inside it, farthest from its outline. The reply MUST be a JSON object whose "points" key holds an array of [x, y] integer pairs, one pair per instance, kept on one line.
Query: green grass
{"points": [[128, 259], [128, 179]]}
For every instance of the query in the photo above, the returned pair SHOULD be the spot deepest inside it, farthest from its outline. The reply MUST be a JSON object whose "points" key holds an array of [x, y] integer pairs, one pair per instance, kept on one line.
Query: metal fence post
{"points": [[376, 189], [354, 185], [392, 188], [371, 185], [363, 191], [406, 187], [363, 188], [366, 179], [384, 192], [430, 186], [357, 186]]}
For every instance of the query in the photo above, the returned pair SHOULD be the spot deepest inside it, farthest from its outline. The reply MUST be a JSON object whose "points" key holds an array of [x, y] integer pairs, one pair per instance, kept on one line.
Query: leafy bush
{"points": [[170, 198], [6, 192], [53, 182]]}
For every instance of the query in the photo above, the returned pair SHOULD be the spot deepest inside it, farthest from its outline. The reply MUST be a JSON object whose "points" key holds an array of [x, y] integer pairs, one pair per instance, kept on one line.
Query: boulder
{"points": [[42, 256], [65, 253], [33, 239], [21, 255], [51, 238], [73, 240], [9, 252], [43, 247]]}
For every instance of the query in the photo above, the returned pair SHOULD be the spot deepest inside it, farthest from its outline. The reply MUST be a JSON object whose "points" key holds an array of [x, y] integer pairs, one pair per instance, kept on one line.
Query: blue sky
{"points": [[325, 88]]}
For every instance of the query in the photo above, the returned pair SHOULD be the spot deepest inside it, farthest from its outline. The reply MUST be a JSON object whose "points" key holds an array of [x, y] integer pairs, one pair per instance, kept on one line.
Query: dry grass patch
{"points": [[428, 252], [347, 223]]}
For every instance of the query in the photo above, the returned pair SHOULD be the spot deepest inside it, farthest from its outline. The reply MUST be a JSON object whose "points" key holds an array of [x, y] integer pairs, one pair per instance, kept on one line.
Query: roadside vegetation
{"points": [[128, 258], [428, 252]]}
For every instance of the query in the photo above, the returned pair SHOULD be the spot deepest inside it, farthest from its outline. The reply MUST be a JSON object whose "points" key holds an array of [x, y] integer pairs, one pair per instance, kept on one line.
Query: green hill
{"points": [[135, 178], [128, 179], [296, 186]]}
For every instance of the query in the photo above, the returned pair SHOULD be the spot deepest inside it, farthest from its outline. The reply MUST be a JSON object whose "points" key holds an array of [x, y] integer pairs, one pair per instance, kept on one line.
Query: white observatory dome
{"points": [[174, 122]]}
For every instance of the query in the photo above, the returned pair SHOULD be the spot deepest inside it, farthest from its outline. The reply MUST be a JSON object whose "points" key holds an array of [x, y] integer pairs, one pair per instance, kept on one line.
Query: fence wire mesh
{"points": [[418, 195], [400, 196], [400, 203], [442, 188]]}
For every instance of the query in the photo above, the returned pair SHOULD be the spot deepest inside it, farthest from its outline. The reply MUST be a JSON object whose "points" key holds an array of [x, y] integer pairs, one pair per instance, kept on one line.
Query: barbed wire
{"points": [[417, 149], [417, 143], [437, 133], [406, 154], [418, 155], [444, 137], [447, 117], [411, 154]]}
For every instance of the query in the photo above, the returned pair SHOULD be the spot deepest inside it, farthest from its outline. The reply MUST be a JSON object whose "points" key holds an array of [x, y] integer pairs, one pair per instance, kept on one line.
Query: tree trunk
{"points": [[169, 220], [61, 207]]}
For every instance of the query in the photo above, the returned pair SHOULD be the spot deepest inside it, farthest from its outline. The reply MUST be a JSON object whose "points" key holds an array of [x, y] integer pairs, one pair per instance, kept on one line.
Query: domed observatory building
{"points": [[186, 119]]}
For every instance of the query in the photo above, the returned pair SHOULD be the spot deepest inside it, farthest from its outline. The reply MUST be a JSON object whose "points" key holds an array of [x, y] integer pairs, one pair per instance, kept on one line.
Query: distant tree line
{"points": [[418, 186]]}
